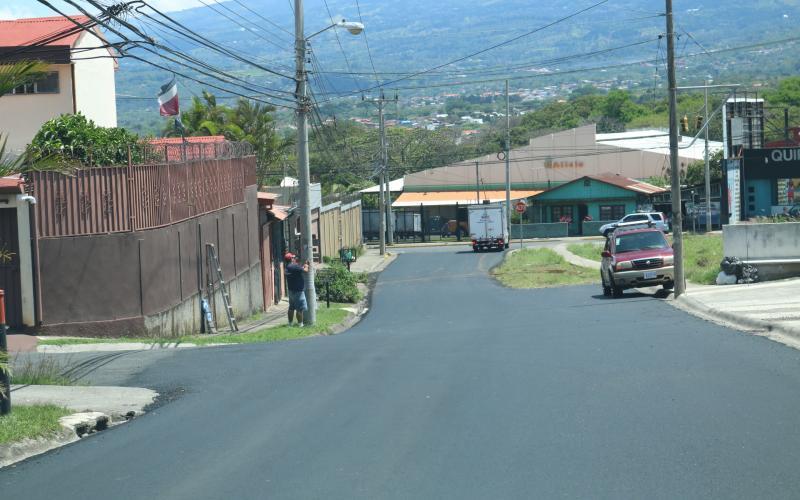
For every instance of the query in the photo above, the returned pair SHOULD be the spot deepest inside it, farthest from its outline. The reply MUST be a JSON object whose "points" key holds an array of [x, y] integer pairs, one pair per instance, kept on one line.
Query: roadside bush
{"points": [[339, 282], [74, 138]]}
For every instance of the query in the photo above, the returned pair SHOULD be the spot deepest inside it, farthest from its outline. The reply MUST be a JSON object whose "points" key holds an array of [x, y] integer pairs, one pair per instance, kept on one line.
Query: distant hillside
{"points": [[417, 34]]}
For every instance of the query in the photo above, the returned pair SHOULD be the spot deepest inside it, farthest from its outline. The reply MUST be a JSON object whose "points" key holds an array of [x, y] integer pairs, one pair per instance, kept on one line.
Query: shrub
{"points": [[74, 138], [337, 281]]}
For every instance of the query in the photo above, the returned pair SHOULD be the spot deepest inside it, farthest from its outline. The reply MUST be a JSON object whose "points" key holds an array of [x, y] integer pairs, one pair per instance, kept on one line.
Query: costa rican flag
{"points": [[168, 99]]}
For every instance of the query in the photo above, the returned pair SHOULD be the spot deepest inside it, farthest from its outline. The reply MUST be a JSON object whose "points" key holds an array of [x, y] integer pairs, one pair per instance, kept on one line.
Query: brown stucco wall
{"points": [[123, 278]]}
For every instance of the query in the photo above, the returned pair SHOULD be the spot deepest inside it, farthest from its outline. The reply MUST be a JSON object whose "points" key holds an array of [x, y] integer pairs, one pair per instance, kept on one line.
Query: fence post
{"points": [[5, 383]]}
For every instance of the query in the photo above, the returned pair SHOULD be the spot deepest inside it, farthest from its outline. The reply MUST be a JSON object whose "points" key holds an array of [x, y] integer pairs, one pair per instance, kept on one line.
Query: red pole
{"points": [[5, 383]]}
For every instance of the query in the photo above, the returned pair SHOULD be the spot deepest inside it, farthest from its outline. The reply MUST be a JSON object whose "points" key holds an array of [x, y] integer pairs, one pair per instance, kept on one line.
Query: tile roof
{"points": [[627, 183], [25, 32], [12, 184], [206, 139]]}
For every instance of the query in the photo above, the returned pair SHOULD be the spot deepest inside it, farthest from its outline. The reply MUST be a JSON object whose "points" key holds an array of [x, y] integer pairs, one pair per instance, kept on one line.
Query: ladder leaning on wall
{"points": [[214, 276]]}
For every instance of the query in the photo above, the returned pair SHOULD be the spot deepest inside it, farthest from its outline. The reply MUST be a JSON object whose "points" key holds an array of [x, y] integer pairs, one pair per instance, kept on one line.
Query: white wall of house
{"points": [[95, 88], [21, 116]]}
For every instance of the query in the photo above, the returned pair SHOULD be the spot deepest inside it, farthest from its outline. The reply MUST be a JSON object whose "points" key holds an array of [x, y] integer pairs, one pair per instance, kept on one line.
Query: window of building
{"points": [[47, 85], [612, 212], [561, 213]]}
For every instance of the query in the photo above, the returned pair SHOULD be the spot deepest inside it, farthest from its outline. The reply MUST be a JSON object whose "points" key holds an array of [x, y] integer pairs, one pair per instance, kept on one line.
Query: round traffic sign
{"points": [[520, 207]]}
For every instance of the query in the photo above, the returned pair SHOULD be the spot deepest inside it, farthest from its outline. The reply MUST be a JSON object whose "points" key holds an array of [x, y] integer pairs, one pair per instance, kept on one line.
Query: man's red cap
{"points": [[288, 256]]}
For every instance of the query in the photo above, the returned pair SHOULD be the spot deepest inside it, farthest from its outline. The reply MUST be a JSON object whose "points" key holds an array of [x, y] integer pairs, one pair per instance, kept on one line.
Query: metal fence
{"points": [[117, 199]]}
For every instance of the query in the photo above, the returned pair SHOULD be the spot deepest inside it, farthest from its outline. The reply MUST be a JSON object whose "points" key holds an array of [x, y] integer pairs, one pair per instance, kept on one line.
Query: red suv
{"points": [[636, 257]]}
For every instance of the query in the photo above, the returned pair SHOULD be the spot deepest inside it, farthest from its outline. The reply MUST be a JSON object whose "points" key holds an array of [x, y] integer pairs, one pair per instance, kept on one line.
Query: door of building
{"points": [[10, 281], [758, 198]]}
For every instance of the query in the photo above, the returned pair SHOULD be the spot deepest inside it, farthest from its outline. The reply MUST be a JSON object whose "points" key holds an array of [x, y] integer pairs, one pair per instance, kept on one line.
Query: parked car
{"points": [[657, 219], [636, 257]]}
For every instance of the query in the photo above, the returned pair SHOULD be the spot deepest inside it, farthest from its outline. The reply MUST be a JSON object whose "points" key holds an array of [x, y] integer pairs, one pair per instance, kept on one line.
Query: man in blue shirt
{"points": [[296, 283]]}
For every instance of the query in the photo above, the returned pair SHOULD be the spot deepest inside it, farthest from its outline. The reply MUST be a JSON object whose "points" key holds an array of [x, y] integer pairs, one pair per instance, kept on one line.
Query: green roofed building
{"points": [[590, 201]]}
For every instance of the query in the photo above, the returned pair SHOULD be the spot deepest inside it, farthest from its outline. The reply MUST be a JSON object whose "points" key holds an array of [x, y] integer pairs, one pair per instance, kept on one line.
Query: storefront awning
{"points": [[448, 198]]}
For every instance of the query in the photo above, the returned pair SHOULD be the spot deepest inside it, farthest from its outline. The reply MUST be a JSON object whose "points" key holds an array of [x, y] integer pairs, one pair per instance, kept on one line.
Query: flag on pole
{"points": [[168, 99]]}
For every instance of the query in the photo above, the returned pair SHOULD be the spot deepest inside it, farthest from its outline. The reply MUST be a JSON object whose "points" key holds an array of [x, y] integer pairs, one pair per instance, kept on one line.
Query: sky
{"points": [[12, 9]]}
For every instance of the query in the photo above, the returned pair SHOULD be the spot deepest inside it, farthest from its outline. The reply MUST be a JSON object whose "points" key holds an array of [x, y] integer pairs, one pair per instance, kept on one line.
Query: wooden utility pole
{"points": [[675, 172]]}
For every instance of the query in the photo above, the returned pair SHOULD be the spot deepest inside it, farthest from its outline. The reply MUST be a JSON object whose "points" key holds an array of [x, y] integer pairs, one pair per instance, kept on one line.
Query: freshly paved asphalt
{"points": [[455, 387]]}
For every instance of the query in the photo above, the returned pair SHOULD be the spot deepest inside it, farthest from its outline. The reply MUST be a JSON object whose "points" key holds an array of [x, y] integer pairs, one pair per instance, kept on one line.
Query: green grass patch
{"points": [[30, 422], [540, 268], [41, 371], [326, 320], [702, 254], [589, 251]]}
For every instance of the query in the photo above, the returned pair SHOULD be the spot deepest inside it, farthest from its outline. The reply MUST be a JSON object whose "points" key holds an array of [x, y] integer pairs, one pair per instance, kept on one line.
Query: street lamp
{"points": [[303, 109]]}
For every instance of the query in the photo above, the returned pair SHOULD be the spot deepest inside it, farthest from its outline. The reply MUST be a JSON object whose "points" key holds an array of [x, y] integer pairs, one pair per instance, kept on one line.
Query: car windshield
{"points": [[649, 240]]}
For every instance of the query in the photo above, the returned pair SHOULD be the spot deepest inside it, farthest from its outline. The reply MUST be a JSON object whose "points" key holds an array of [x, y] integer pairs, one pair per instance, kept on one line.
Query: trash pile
{"points": [[735, 271]]}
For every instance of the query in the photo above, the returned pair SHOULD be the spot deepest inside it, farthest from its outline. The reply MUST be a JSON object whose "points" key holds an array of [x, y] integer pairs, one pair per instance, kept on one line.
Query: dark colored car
{"points": [[636, 257]]}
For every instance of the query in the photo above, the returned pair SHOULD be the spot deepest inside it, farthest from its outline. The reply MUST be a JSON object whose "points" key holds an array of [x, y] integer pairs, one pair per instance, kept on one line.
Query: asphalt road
{"points": [[455, 387]]}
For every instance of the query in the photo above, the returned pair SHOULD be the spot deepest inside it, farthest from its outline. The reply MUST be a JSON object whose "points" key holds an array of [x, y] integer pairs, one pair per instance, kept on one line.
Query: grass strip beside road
{"points": [[702, 254], [30, 422], [589, 251], [326, 320], [541, 268]]}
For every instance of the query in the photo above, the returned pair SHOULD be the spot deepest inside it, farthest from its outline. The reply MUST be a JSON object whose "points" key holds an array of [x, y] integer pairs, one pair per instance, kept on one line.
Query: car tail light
{"points": [[500, 241], [623, 265]]}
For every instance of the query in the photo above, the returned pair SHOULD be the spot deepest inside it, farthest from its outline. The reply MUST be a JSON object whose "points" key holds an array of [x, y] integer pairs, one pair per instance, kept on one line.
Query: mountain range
{"points": [[415, 35]]}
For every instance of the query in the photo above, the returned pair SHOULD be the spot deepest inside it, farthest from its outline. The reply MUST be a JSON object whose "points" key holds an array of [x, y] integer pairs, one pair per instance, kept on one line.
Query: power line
{"points": [[202, 40], [339, 42], [525, 65], [246, 28], [589, 69], [118, 33], [269, 21], [366, 41], [497, 45]]}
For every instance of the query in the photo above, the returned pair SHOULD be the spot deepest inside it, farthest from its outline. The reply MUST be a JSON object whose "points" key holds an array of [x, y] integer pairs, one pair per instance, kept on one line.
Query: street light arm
{"points": [[353, 27]]}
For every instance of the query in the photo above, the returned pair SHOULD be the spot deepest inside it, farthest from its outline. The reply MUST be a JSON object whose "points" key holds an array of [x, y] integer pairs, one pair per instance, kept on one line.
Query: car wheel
{"points": [[669, 285], [616, 291], [606, 288], [508, 245]]}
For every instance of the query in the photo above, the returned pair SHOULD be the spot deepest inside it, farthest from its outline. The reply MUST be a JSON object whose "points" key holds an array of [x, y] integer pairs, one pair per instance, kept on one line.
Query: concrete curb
{"points": [[73, 428]]}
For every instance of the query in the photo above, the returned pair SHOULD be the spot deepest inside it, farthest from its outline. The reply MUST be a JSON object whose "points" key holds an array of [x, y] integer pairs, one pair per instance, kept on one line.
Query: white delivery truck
{"points": [[488, 227]]}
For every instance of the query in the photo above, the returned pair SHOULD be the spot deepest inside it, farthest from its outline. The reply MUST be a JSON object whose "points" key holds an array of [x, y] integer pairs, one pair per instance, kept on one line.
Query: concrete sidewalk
{"points": [[119, 403], [771, 308]]}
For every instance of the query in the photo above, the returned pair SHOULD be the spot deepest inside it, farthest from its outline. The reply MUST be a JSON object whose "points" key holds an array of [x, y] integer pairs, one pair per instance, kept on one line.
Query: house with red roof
{"points": [[80, 77]]}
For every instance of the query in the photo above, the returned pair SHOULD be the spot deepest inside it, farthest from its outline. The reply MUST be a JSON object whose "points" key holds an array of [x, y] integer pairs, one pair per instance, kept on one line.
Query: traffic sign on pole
{"points": [[521, 206]]}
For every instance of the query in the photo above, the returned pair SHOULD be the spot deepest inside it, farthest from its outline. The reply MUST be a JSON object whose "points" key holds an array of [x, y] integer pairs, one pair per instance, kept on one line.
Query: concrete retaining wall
{"points": [[553, 230], [753, 242], [184, 319], [762, 241]]}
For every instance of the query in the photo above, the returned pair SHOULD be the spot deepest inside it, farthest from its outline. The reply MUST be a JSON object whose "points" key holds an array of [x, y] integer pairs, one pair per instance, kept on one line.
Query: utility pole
{"points": [[304, 173], [508, 162], [677, 217], [385, 209], [707, 168], [477, 183], [382, 211]]}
